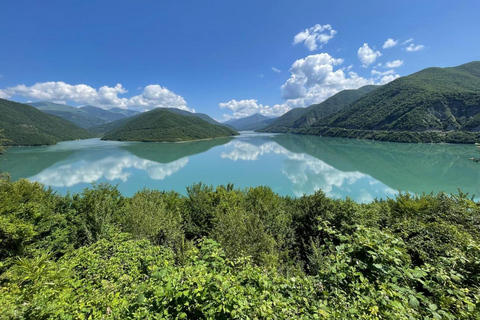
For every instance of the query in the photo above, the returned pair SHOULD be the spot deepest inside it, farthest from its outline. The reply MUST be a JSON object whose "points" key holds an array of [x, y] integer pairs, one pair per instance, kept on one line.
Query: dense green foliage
{"points": [[72, 114], [304, 117], [432, 99], [395, 136], [100, 130], [432, 105], [166, 126], [251, 123], [24, 125], [224, 253]]}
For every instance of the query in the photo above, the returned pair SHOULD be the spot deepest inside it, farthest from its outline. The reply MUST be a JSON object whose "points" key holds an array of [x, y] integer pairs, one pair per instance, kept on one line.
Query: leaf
{"points": [[413, 301]]}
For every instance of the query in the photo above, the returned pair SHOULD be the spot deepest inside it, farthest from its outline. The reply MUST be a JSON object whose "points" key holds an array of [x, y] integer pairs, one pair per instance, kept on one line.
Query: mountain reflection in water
{"points": [[290, 164]]}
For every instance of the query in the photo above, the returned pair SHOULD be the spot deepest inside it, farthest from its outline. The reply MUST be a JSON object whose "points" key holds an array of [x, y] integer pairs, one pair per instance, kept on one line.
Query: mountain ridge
{"points": [[160, 125]]}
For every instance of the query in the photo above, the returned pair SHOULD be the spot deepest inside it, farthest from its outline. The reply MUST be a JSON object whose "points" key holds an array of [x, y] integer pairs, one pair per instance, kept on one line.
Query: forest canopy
{"points": [[224, 253]]}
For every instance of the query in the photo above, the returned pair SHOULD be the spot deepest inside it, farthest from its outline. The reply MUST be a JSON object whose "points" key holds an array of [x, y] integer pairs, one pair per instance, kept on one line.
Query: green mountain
{"points": [[251, 123], [72, 114], [25, 125], [432, 105], [103, 114], [125, 112], [162, 125], [304, 117], [100, 130]]}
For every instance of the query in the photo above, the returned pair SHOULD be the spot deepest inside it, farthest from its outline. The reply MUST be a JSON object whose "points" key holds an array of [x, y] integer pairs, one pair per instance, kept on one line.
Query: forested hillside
{"points": [[167, 126], [304, 117], [432, 105], [24, 125]]}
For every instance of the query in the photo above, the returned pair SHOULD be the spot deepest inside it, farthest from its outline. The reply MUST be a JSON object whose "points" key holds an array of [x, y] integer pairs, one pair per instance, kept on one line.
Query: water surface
{"points": [[290, 164]]}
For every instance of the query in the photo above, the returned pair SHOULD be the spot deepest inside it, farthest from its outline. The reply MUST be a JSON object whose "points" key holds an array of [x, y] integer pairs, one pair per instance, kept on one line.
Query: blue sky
{"points": [[205, 54]]}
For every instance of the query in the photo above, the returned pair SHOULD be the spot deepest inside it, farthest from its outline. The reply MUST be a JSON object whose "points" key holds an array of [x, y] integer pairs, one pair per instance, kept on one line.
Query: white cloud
{"points": [[276, 70], [385, 73], [407, 41], [412, 47], [387, 79], [367, 56], [315, 36], [245, 108], [394, 64], [313, 79], [384, 77], [152, 96], [390, 43]]}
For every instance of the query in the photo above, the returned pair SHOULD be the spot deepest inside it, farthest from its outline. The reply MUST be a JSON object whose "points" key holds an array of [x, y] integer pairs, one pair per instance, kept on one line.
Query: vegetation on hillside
{"points": [[72, 114], [432, 105], [100, 130], [305, 117], [224, 253], [438, 99], [250, 123], [165, 126], [24, 125]]}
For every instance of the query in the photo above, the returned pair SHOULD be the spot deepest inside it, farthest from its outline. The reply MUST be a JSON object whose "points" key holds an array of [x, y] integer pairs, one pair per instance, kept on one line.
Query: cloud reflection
{"points": [[110, 168], [309, 174]]}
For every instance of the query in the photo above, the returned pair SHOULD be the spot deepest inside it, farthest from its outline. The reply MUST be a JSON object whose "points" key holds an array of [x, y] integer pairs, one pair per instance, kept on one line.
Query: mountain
{"points": [[432, 105], [251, 123], [103, 114], [304, 117], [161, 125], [72, 114], [100, 130], [24, 125], [125, 112]]}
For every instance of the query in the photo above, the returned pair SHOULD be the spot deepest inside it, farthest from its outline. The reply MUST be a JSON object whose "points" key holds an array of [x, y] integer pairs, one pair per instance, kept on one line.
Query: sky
{"points": [[229, 59]]}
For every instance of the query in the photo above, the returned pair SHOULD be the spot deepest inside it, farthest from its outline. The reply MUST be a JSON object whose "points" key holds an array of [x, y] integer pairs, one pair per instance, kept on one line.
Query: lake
{"points": [[290, 164]]}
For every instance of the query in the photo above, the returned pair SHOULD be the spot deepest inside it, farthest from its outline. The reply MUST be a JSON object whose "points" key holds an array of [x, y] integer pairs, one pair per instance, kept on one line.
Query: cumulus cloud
{"points": [[276, 70], [152, 96], [245, 108], [412, 47], [384, 77], [387, 79], [314, 79], [394, 64], [390, 43], [315, 36], [367, 55]]}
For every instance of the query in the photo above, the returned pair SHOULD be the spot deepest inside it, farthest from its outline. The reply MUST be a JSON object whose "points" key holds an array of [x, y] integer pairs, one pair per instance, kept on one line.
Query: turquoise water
{"points": [[290, 164]]}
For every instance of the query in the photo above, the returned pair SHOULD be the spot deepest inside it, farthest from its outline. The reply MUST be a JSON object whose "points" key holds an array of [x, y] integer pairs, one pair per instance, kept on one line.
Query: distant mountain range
{"points": [[432, 105], [168, 125], [251, 123], [24, 125], [85, 117]]}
